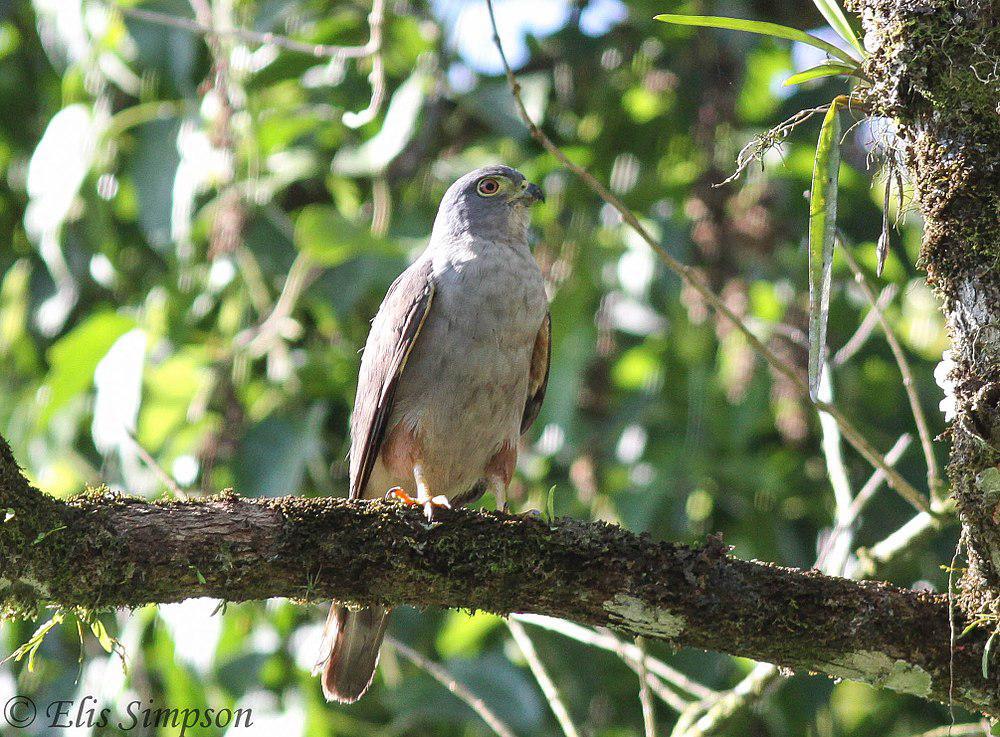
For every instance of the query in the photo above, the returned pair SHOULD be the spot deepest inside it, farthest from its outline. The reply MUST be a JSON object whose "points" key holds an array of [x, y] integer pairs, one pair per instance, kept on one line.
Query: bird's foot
{"points": [[428, 503], [437, 502]]}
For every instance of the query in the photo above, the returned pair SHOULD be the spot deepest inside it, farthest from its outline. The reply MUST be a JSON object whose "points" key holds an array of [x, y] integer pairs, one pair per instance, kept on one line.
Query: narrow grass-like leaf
{"points": [[986, 655], [754, 26], [822, 231], [826, 69], [838, 21]]}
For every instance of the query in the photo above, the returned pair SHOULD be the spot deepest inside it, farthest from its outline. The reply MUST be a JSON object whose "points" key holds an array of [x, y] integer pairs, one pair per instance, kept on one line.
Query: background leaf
{"points": [[754, 26], [330, 239], [838, 21], [828, 69], [73, 358], [822, 233]]}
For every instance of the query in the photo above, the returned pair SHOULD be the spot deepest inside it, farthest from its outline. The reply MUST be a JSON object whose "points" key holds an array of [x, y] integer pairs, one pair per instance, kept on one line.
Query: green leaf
{"points": [[550, 504], [826, 69], [153, 169], [754, 26], [986, 655], [31, 646], [838, 21], [274, 454], [822, 231], [75, 356], [43, 535], [331, 239], [463, 635], [101, 633]]}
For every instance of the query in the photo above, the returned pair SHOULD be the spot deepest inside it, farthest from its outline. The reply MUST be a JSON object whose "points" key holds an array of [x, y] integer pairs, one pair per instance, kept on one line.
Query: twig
{"points": [[846, 520], [645, 698], [902, 539], [446, 679], [272, 39], [972, 729], [545, 682], [165, 478], [717, 711], [875, 480], [633, 656], [373, 47], [649, 682], [934, 481], [254, 280], [611, 643], [760, 145], [261, 339], [836, 469], [377, 77], [229, 218], [840, 540], [691, 277], [864, 331], [656, 686]]}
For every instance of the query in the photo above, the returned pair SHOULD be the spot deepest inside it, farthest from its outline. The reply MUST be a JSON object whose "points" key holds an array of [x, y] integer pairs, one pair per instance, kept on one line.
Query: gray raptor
{"points": [[453, 372]]}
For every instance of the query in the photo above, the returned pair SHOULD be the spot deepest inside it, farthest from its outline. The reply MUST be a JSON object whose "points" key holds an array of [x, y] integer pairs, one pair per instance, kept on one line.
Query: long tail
{"points": [[349, 654]]}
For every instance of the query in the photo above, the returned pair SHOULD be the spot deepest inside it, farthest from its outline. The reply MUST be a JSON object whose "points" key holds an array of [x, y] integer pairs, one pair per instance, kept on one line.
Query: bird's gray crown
{"points": [[490, 204]]}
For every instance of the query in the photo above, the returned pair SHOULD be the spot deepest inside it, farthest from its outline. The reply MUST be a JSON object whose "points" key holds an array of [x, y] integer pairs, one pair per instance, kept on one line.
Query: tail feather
{"points": [[349, 654]]}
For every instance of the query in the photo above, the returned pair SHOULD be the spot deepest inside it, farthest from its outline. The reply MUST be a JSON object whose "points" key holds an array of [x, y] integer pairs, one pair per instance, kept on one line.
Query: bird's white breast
{"points": [[466, 382]]}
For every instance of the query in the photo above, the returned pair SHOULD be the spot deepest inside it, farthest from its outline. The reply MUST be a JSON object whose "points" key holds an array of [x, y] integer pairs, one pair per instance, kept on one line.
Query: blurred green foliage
{"points": [[197, 269]]}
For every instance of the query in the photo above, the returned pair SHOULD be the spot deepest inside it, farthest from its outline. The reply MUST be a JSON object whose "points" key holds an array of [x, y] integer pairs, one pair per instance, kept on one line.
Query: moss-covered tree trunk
{"points": [[936, 71]]}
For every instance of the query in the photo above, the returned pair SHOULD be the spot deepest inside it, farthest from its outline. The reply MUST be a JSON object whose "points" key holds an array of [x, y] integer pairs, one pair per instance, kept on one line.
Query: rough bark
{"points": [[100, 550], [936, 67]]}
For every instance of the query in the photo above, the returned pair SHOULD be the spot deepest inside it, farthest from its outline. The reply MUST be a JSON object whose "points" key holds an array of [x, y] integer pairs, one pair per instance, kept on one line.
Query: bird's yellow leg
{"points": [[424, 498], [424, 495], [499, 492]]}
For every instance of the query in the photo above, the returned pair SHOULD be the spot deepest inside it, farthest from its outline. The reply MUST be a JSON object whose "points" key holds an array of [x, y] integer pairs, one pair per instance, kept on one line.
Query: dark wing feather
{"points": [[538, 374], [392, 337]]}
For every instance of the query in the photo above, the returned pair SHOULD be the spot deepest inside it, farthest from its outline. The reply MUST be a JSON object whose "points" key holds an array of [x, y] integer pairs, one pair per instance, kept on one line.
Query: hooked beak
{"points": [[529, 194], [535, 192]]}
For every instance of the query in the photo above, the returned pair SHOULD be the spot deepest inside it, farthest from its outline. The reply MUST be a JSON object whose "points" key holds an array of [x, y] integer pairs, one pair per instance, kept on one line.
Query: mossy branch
{"points": [[102, 550]]}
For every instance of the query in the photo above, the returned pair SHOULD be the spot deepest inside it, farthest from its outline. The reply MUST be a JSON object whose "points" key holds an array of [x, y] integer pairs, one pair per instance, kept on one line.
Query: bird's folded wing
{"points": [[394, 333], [538, 373]]}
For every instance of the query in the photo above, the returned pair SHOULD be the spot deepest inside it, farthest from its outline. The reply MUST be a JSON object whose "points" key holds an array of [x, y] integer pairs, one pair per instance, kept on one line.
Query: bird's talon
{"points": [[437, 502], [398, 493]]}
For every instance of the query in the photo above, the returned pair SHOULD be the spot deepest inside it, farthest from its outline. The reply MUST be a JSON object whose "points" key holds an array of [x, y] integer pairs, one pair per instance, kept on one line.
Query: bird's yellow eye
{"points": [[488, 186]]}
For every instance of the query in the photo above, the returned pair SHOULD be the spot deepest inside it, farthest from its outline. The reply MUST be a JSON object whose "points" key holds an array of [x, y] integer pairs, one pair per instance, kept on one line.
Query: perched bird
{"points": [[453, 372]]}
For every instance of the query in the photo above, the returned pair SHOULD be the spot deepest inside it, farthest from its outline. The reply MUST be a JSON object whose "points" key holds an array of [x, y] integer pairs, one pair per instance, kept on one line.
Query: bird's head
{"points": [[490, 203]]}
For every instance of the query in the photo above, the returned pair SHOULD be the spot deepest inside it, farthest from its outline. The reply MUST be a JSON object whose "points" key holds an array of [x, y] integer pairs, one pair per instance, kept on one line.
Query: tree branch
{"points": [[101, 550], [290, 44]]}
